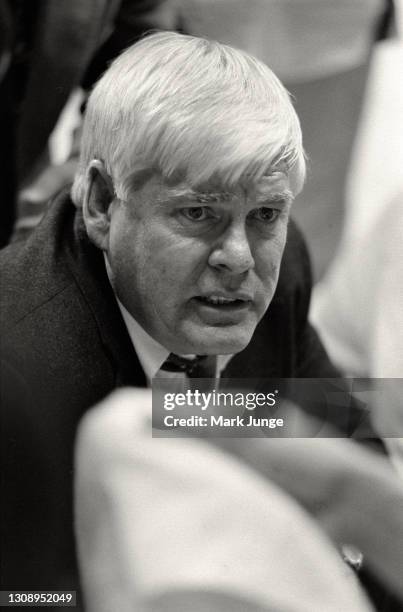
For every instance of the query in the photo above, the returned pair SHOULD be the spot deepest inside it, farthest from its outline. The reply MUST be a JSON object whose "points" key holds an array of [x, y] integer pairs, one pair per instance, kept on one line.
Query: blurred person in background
{"points": [[357, 307], [358, 312], [47, 49]]}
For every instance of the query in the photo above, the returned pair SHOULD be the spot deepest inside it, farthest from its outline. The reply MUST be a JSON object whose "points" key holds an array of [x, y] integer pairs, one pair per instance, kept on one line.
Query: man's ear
{"points": [[98, 198]]}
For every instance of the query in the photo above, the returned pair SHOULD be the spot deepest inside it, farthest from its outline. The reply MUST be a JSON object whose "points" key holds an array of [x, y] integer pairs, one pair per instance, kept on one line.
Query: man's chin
{"points": [[219, 341]]}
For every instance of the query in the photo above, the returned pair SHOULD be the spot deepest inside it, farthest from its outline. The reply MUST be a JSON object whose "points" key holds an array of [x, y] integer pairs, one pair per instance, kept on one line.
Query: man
{"points": [[171, 243]]}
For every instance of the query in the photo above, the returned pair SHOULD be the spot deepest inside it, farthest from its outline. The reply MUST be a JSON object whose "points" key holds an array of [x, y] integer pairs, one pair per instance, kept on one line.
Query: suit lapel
{"points": [[88, 268]]}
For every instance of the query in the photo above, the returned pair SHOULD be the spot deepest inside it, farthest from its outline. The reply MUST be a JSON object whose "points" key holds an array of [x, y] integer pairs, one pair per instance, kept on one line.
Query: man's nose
{"points": [[233, 253]]}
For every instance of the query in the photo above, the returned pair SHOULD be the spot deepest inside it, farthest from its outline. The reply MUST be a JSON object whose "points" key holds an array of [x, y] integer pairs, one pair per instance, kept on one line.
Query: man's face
{"points": [[196, 269]]}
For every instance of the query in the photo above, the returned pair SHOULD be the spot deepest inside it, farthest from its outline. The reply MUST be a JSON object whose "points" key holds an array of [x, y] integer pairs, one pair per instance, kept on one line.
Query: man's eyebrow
{"points": [[264, 195], [284, 196], [187, 193]]}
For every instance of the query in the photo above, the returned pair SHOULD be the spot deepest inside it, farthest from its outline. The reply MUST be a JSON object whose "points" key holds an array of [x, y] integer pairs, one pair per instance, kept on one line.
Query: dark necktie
{"points": [[201, 366], [200, 375]]}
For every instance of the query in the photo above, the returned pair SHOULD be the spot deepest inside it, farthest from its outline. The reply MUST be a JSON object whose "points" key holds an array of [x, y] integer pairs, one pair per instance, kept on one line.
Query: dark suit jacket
{"points": [[65, 347]]}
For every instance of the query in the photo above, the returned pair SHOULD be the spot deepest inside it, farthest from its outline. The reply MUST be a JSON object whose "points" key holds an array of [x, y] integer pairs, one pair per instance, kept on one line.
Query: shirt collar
{"points": [[151, 353]]}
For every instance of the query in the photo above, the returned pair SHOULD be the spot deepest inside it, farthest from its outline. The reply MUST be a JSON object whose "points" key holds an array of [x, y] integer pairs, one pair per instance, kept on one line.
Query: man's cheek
{"points": [[269, 260], [280, 238]]}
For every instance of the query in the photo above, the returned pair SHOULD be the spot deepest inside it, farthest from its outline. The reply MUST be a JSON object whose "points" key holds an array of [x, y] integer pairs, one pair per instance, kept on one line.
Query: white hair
{"points": [[192, 109]]}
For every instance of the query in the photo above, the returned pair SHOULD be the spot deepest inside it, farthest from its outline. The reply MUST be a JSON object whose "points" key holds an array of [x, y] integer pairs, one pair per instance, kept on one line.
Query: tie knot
{"points": [[201, 366]]}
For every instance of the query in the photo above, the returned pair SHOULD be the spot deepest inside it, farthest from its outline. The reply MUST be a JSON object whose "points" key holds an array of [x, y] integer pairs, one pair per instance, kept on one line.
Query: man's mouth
{"points": [[222, 309], [220, 301], [219, 308]]}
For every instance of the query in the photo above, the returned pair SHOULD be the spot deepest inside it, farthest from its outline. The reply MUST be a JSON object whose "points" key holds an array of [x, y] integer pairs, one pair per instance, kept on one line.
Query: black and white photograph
{"points": [[201, 305]]}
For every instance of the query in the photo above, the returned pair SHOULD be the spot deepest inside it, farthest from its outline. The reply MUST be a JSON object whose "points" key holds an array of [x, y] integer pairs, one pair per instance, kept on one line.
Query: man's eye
{"points": [[196, 213], [266, 214]]}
